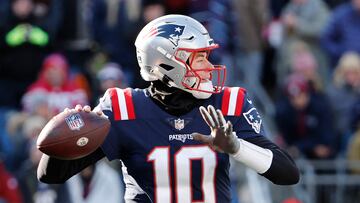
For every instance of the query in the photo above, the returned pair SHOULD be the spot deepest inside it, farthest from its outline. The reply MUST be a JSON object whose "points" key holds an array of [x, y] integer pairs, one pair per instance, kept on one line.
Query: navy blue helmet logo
{"points": [[171, 32]]}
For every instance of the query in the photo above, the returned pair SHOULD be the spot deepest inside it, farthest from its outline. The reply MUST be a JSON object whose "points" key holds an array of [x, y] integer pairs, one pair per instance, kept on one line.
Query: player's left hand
{"points": [[222, 137]]}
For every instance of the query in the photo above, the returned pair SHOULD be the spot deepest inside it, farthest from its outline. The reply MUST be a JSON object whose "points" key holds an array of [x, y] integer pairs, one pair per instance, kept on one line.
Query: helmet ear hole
{"points": [[146, 73], [166, 67], [148, 69]]}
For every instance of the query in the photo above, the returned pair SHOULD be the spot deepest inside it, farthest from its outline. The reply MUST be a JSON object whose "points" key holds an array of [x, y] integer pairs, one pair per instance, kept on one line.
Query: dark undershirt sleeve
{"points": [[283, 170], [56, 171]]}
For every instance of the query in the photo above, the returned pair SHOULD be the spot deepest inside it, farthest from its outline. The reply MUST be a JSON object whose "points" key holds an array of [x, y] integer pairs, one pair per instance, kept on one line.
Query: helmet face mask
{"points": [[193, 74], [165, 51]]}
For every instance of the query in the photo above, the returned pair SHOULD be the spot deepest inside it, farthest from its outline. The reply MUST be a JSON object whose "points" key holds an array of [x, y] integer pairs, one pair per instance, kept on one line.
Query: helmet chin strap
{"points": [[163, 77]]}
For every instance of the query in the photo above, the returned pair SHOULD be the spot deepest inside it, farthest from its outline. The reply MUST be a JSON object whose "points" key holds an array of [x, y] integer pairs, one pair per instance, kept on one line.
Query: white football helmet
{"points": [[165, 47]]}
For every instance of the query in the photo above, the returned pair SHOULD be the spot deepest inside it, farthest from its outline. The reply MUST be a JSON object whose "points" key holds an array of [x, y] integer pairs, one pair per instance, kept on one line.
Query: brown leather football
{"points": [[73, 135]]}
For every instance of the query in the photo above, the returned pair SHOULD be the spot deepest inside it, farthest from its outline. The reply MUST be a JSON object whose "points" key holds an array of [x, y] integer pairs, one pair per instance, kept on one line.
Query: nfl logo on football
{"points": [[74, 121], [179, 124]]}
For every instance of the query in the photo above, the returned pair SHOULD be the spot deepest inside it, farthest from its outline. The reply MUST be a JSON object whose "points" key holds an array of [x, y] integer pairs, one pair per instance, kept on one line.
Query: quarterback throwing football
{"points": [[175, 138]]}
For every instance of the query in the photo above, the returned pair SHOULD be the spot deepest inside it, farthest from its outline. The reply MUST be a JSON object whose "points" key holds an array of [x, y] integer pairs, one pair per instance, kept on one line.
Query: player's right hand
{"points": [[86, 108]]}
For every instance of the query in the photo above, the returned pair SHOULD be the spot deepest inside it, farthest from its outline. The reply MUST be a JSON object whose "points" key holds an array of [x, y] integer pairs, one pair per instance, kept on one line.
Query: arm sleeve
{"points": [[56, 171], [283, 170]]}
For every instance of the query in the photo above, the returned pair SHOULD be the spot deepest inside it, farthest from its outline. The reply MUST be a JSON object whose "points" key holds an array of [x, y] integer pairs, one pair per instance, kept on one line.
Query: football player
{"points": [[175, 138]]}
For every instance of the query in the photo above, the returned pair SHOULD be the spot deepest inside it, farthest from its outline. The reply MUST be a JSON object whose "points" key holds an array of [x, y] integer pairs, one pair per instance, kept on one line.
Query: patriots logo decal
{"points": [[171, 32], [254, 119]]}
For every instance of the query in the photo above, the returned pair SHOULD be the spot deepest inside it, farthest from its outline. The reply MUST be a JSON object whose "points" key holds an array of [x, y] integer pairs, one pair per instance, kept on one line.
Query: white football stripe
{"points": [[232, 101], [122, 104]]}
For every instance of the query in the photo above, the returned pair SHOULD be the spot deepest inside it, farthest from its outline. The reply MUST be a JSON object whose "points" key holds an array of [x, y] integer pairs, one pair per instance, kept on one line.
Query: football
{"points": [[72, 135]]}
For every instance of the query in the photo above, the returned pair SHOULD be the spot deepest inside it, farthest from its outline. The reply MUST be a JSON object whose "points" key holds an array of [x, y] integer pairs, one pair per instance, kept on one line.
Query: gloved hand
{"points": [[222, 138]]}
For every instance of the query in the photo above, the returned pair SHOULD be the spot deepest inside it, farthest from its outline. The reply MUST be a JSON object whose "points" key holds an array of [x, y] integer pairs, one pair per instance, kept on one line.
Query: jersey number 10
{"points": [[160, 157]]}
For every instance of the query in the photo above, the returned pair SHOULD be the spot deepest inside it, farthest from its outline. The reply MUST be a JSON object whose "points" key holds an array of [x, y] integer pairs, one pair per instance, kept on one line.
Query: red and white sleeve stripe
{"points": [[122, 104], [232, 101]]}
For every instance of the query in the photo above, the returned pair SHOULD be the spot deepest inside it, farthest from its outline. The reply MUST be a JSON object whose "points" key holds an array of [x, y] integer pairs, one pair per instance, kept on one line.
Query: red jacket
{"points": [[68, 94], [9, 188]]}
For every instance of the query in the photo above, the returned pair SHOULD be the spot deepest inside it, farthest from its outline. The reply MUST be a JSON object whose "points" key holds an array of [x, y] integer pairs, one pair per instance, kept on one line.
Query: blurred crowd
{"points": [[300, 60]]}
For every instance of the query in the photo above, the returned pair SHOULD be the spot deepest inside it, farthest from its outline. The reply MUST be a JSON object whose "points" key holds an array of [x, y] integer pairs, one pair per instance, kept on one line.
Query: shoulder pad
{"points": [[233, 101], [120, 102]]}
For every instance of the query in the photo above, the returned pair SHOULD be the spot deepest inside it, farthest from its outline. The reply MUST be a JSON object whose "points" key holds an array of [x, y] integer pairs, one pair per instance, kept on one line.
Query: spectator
{"points": [[342, 32], [250, 18], [56, 85], [303, 61], [25, 40], [111, 75], [108, 20], [94, 184], [343, 93], [33, 190], [74, 38], [302, 20], [21, 128], [304, 120], [9, 188]]}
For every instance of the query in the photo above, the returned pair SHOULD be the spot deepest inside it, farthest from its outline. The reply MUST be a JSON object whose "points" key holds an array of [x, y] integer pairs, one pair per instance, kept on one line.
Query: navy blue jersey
{"points": [[161, 161]]}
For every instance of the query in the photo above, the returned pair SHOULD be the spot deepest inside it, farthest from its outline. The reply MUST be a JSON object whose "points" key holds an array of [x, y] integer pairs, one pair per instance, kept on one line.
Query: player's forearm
{"points": [[283, 170], [268, 160], [55, 171], [50, 170]]}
